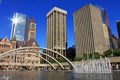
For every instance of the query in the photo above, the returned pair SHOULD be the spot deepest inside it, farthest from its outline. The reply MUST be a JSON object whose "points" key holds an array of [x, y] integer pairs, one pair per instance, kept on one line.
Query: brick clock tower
{"points": [[32, 30]]}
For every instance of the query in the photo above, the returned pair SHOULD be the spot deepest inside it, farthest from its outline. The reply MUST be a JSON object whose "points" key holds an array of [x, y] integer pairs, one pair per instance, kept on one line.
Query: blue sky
{"points": [[39, 8]]}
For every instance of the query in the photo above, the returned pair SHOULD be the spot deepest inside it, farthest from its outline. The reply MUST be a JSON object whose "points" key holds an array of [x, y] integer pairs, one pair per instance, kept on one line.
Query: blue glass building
{"points": [[20, 25], [118, 27]]}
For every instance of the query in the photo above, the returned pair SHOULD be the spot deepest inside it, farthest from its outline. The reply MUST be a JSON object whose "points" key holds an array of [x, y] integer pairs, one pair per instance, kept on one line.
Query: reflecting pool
{"points": [[56, 75]]}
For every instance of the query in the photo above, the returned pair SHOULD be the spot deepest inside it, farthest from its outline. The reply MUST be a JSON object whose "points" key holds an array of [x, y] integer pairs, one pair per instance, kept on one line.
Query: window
{"points": [[29, 55]]}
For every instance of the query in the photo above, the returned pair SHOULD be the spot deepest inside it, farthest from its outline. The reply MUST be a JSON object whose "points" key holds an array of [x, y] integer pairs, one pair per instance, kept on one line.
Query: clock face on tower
{"points": [[33, 25]]}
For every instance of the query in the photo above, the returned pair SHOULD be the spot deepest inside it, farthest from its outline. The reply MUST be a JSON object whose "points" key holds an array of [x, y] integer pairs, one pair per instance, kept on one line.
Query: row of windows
{"points": [[4, 46], [33, 62]]}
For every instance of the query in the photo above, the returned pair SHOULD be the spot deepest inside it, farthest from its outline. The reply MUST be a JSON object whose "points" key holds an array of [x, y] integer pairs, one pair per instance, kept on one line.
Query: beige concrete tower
{"points": [[89, 34], [32, 30], [56, 30], [106, 35], [106, 29]]}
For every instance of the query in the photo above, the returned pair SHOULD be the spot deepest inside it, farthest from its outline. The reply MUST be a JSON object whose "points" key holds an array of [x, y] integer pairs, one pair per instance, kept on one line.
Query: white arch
{"points": [[7, 54], [54, 60], [38, 56], [40, 48]]}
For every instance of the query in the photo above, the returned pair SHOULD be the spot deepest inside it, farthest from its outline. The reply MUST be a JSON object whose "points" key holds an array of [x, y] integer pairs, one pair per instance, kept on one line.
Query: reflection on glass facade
{"points": [[118, 27], [20, 24]]}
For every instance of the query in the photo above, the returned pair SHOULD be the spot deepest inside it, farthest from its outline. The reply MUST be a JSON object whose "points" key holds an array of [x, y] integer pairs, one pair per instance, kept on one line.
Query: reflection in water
{"points": [[55, 75], [116, 75], [19, 75], [93, 76]]}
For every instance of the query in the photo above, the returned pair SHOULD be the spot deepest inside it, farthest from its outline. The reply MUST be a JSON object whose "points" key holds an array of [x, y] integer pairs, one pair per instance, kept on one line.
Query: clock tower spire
{"points": [[32, 29]]}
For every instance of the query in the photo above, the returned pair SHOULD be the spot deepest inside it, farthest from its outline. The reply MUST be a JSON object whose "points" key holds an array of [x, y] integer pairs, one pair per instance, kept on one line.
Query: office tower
{"points": [[20, 27], [118, 27], [106, 29], [56, 30], [118, 30], [32, 30], [89, 36], [115, 41]]}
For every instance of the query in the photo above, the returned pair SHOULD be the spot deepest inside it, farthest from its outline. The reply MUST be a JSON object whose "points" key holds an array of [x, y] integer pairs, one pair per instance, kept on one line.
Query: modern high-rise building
{"points": [[20, 27], [106, 29], [118, 30], [56, 30], [89, 35], [115, 41], [118, 27]]}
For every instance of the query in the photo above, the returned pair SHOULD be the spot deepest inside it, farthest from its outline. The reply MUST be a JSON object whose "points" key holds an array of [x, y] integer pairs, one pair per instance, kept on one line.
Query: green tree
{"points": [[94, 55], [97, 55], [51, 60], [108, 53], [116, 52], [77, 59], [60, 59]]}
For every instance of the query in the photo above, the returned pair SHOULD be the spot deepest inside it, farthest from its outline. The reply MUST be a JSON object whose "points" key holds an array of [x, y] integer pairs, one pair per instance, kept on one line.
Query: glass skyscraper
{"points": [[20, 25], [118, 27]]}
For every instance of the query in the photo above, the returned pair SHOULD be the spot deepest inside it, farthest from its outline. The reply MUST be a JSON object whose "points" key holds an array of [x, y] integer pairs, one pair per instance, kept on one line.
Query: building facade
{"points": [[6, 45], [106, 35], [115, 41], [56, 30], [106, 29], [89, 36], [32, 30], [18, 40], [118, 27], [20, 25], [118, 40]]}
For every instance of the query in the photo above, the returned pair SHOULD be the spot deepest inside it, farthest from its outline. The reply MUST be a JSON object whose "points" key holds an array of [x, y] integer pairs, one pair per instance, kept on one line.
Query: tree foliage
{"points": [[112, 53], [94, 55], [60, 59], [77, 59]]}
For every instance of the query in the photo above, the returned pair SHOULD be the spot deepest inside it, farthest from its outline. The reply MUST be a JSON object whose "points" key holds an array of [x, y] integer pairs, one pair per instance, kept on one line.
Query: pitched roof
{"points": [[26, 43], [30, 43], [5, 39], [33, 20], [14, 38], [20, 44]]}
